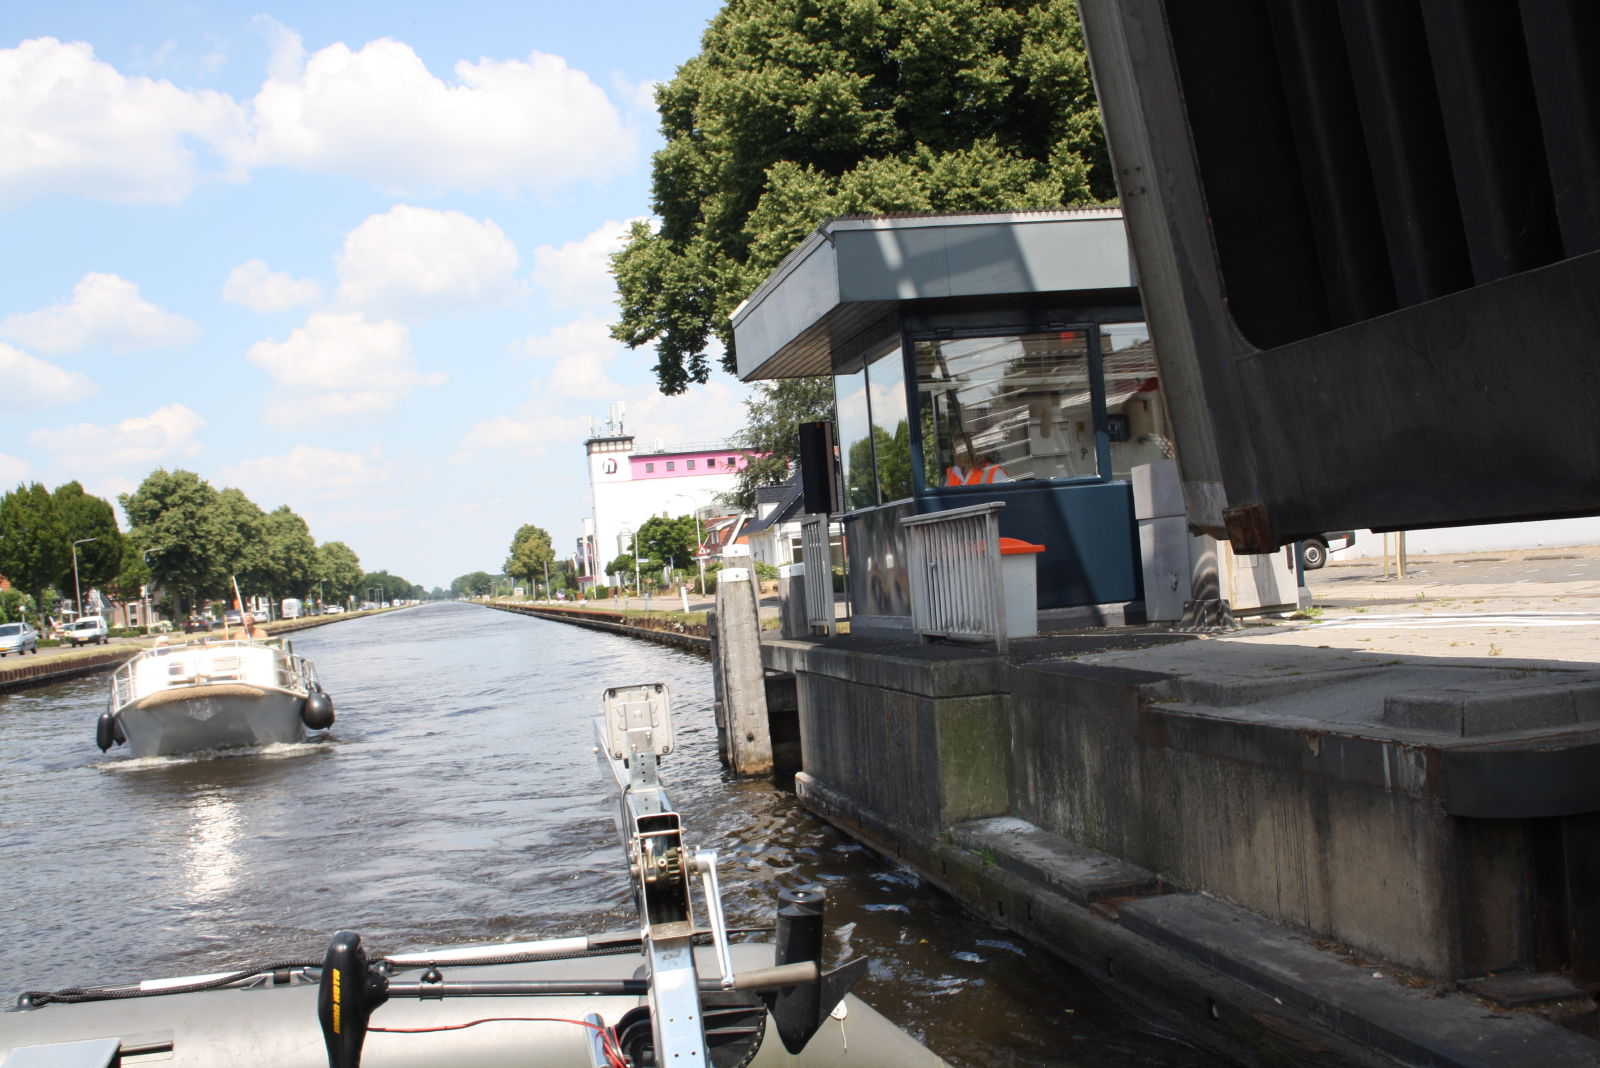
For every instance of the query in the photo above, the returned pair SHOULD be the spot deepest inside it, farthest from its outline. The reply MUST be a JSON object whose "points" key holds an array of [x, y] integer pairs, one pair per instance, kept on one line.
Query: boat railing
{"points": [[291, 671]]}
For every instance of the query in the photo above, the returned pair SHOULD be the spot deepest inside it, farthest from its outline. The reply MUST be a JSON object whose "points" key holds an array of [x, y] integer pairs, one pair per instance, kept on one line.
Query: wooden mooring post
{"points": [[740, 678]]}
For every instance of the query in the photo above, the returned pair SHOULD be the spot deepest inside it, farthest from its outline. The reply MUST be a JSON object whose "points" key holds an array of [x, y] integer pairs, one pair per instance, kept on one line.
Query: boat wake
{"points": [[275, 751]]}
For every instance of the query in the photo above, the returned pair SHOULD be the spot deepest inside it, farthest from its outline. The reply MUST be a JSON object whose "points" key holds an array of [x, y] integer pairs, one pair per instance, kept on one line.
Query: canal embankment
{"points": [[1369, 836], [685, 631], [57, 664]]}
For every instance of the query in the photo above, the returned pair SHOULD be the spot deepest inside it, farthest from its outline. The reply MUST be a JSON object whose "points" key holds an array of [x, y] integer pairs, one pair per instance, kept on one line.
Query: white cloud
{"points": [[578, 274], [260, 288], [416, 261], [380, 115], [582, 350], [165, 434], [70, 123], [529, 432], [307, 470], [339, 365], [104, 310], [31, 384], [13, 471]]}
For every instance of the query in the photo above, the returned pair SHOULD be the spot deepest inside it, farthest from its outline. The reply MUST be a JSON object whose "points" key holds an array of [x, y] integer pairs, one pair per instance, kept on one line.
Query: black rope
{"points": [[75, 994]]}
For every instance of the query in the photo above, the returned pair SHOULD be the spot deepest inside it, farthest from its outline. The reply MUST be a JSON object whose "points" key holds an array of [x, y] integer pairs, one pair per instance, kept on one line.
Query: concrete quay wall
{"points": [[1429, 852]]}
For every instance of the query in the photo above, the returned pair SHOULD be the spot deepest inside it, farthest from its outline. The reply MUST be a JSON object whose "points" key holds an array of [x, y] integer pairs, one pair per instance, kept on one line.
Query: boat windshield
{"points": [[7, 629]]}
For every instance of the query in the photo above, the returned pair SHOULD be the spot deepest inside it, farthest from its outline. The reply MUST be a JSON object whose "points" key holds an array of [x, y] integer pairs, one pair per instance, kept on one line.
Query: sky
{"points": [[350, 258]]}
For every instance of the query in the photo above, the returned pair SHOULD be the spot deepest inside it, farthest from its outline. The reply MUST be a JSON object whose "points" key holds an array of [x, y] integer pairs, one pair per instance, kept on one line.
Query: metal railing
{"points": [[817, 547], [291, 671], [956, 588]]}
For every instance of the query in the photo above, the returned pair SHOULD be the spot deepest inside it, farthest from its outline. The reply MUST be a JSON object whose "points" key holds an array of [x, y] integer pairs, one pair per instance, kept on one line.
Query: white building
{"points": [[630, 483]]}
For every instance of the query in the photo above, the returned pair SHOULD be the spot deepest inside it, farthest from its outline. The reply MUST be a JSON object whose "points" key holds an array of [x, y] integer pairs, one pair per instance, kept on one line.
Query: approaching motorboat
{"points": [[669, 991], [211, 695]]}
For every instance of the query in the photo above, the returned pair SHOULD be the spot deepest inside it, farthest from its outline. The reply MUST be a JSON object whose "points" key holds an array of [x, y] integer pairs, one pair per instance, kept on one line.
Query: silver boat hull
{"points": [[277, 1025], [212, 717]]}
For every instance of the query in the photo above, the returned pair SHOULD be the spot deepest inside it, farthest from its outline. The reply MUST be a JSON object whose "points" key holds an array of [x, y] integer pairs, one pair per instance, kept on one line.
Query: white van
{"points": [[292, 609]]}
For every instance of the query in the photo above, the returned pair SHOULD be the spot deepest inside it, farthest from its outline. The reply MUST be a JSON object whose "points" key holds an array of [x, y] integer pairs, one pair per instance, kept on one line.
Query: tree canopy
{"points": [[798, 110], [33, 543], [662, 541], [339, 568], [531, 550], [83, 515]]}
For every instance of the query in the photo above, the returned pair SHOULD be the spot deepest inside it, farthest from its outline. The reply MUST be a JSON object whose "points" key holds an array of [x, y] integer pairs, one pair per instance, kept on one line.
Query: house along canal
{"points": [[458, 801]]}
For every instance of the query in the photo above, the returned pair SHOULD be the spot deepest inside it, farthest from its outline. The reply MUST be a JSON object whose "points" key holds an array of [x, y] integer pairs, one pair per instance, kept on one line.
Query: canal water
{"points": [[458, 801]]}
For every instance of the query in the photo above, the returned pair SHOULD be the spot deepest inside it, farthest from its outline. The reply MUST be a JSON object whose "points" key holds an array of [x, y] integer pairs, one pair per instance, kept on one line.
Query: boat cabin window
{"points": [[1006, 409], [874, 429]]}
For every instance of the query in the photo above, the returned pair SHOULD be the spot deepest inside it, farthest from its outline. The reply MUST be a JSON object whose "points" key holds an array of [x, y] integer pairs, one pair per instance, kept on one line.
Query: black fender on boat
{"points": [[317, 712], [105, 731]]}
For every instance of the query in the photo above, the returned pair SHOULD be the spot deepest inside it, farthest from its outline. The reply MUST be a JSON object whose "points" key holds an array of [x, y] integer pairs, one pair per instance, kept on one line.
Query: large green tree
{"points": [[798, 110], [668, 540], [339, 568], [772, 431], [531, 551], [291, 553], [33, 544], [183, 515], [83, 515]]}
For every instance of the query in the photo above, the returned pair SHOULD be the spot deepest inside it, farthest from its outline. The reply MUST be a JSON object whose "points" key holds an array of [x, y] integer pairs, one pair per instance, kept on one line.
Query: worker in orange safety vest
{"points": [[968, 472]]}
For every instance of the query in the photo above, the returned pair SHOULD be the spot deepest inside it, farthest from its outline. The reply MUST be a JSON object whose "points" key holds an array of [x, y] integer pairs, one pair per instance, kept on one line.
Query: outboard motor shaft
{"points": [[350, 991]]}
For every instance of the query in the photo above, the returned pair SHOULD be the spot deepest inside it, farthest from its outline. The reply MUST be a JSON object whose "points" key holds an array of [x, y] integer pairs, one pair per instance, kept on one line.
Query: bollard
{"points": [[792, 598], [744, 686], [719, 705]]}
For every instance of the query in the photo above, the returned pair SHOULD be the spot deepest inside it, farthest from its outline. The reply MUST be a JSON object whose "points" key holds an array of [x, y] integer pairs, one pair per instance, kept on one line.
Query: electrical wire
{"points": [[608, 1040]]}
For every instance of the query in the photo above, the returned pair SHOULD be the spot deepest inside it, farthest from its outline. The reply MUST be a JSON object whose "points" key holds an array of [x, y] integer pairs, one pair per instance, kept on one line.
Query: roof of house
{"points": [[789, 499]]}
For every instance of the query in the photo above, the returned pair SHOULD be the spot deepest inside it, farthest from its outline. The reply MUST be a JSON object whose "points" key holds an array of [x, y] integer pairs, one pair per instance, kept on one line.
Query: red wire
{"points": [[613, 1054]]}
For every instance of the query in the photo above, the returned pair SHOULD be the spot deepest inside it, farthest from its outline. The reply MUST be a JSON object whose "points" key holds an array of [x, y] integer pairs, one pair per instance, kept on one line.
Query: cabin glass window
{"points": [[855, 439], [1008, 408], [891, 427], [1136, 409]]}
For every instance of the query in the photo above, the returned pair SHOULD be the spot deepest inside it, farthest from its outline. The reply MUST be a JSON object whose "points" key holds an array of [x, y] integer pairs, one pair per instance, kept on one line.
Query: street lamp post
{"points": [[77, 587], [699, 541], [146, 588]]}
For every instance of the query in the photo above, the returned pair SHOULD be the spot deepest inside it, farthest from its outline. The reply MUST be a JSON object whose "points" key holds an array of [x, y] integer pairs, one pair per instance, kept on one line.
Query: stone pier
{"points": [[1431, 817]]}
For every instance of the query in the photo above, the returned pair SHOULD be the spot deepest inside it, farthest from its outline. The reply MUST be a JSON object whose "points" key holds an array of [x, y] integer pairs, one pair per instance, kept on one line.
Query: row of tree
{"points": [[185, 537]]}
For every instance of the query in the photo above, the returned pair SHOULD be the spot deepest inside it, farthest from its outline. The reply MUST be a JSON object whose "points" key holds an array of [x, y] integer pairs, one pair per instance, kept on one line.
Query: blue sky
{"points": [[349, 258]]}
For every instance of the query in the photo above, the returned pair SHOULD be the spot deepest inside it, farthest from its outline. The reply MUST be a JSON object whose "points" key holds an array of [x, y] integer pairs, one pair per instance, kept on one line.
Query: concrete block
{"points": [[1164, 554], [1586, 702], [1470, 713], [1157, 490], [1083, 875], [1408, 1024]]}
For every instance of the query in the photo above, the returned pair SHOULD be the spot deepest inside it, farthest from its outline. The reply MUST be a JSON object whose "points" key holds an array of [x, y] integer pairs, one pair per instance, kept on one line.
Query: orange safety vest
{"points": [[980, 476]]}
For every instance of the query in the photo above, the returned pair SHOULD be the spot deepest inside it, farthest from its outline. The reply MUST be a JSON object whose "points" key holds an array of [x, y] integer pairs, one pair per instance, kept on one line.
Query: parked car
{"points": [[292, 608], [90, 630], [233, 617], [1315, 549], [18, 638], [334, 610], [197, 624]]}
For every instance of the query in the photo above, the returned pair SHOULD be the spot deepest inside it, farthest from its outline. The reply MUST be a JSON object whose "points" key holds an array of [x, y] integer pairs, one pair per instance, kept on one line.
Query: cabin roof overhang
{"points": [[848, 280]]}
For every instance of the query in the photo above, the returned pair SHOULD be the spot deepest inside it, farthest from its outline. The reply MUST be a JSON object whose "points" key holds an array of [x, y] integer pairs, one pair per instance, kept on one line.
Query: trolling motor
{"points": [[351, 989], [684, 1010]]}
